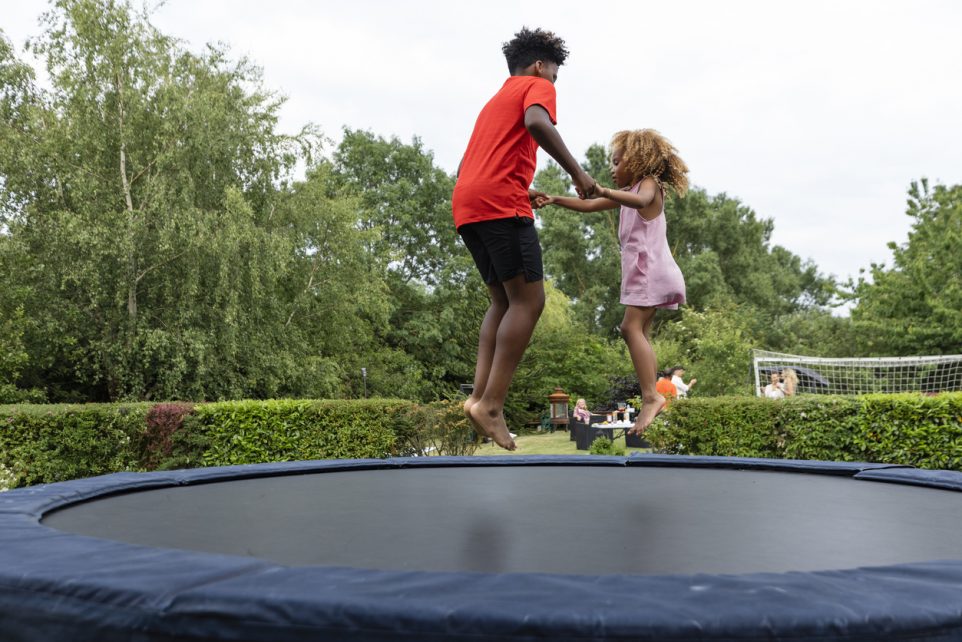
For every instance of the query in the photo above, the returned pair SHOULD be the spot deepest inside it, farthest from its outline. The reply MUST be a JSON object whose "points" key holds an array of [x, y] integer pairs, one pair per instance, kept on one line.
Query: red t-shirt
{"points": [[499, 163]]}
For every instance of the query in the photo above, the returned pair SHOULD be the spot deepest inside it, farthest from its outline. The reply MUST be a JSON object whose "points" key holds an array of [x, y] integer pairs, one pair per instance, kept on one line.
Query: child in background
{"points": [[581, 412], [643, 163], [666, 388]]}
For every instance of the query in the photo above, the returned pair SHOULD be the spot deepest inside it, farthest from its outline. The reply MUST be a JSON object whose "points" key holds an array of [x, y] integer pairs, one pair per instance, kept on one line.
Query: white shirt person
{"points": [[683, 388]]}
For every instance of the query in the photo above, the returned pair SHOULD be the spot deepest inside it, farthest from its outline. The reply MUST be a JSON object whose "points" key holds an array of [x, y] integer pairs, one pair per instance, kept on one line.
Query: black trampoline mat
{"points": [[553, 519]]}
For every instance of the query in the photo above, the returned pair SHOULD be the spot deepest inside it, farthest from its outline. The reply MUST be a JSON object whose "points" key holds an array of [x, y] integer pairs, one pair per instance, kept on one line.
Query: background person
{"points": [[789, 382], [665, 387], [774, 390], [581, 412], [676, 378]]}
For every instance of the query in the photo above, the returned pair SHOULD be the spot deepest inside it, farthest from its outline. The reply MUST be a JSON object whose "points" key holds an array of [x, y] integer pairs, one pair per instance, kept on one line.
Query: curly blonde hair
{"points": [[645, 152]]}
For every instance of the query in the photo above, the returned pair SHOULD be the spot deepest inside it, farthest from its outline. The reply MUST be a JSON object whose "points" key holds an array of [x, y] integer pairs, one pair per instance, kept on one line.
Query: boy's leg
{"points": [[636, 330], [525, 303], [487, 339]]}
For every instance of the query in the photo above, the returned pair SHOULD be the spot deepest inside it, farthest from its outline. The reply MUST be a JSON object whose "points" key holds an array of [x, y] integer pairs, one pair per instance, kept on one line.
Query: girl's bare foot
{"points": [[650, 408], [491, 422]]}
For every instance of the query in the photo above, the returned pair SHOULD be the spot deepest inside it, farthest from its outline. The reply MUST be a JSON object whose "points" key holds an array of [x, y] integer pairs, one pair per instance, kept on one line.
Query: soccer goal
{"points": [[855, 376]]}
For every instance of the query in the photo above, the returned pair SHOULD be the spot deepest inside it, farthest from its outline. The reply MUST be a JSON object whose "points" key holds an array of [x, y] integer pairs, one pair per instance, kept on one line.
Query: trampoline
{"points": [[647, 547]]}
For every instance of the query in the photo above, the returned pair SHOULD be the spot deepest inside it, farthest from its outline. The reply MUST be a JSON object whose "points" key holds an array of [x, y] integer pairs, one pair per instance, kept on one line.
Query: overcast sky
{"points": [[817, 114]]}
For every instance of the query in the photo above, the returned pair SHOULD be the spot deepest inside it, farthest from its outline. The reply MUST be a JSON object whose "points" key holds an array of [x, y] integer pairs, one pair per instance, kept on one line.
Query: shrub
{"points": [[438, 428], [243, 432], [157, 439], [42, 444], [908, 429], [604, 446]]}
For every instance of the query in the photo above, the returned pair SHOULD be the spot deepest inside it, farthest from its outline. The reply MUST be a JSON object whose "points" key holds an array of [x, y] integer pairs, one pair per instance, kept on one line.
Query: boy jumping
{"points": [[492, 205]]}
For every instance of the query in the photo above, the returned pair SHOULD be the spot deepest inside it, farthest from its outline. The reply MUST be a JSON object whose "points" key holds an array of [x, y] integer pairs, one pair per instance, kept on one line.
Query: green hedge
{"points": [[49, 443], [910, 429]]}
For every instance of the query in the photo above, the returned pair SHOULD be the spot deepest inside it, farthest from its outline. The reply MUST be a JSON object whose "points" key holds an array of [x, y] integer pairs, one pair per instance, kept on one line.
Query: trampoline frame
{"points": [[104, 590]]}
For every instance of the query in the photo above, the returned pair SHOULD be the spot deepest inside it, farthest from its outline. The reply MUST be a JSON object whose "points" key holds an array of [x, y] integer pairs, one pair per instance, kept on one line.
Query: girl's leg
{"points": [[486, 343], [525, 303], [636, 331]]}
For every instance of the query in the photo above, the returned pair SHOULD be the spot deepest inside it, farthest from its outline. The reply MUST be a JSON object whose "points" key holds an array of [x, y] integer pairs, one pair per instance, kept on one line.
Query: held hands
{"points": [[586, 186], [534, 196], [542, 200]]}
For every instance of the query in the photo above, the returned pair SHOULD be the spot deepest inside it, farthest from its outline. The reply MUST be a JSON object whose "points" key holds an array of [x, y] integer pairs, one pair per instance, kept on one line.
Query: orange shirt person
{"points": [[666, 388]]}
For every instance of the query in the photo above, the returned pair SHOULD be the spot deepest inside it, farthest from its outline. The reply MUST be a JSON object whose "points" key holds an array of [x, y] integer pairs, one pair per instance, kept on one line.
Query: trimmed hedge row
{"points": [[42, 444], [909, 429]]}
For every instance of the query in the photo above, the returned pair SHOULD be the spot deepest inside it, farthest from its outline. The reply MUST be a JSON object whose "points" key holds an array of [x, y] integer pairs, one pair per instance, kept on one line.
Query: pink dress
{"points": [[649, 275]]}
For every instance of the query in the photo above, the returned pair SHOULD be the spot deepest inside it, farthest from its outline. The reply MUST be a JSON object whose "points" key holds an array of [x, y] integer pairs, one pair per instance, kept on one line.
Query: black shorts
{"points": [[504, 248]]}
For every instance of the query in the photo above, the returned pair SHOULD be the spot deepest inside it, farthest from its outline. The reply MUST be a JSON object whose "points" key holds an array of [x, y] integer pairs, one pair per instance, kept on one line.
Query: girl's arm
{"points": [[647, 192], [579, 205], [607, 199]]}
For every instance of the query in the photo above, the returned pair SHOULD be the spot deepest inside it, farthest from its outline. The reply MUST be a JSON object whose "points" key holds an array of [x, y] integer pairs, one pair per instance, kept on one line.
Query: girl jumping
{"points": [[643, 164]]}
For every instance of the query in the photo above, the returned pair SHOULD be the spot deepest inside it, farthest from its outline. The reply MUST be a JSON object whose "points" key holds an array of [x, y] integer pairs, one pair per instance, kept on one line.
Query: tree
{"points": [[152, 230], [915, 307], [405, 198]]}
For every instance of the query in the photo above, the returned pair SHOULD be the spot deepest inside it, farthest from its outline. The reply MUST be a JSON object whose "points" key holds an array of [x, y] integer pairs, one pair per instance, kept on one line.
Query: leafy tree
{"points": [[405, 198], [915, 307], [716, 349], [152, 227]]}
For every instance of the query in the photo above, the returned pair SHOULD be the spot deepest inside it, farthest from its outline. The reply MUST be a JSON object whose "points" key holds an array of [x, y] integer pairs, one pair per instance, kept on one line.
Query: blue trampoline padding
{"points": [[59, 586]]}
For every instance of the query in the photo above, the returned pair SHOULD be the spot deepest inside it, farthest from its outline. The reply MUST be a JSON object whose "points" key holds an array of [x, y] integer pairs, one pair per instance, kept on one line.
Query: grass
{"points": [[544, 443]]}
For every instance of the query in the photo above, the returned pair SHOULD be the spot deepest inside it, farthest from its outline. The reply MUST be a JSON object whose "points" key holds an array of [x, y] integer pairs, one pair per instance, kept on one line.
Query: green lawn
{"points": [[544, 443]]}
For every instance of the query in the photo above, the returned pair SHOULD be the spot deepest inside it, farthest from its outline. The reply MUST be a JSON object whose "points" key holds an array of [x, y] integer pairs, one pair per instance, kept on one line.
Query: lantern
{"points": [[558, 401]]}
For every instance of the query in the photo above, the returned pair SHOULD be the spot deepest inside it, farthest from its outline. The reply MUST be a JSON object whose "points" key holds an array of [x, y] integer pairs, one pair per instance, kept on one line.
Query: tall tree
{"points": [[152, 226], [405, 198], [915, 307]]}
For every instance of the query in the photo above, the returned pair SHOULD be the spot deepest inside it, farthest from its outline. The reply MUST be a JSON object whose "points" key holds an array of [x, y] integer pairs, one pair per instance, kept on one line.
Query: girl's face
{"points": [[619, 173]]}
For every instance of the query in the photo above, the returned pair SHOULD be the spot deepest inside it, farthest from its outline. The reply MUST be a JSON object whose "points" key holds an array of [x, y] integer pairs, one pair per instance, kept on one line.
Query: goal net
{"points": [[855, 376]]}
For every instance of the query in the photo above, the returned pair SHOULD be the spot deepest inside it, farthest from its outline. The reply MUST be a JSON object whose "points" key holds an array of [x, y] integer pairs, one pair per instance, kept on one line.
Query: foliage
{"points": [[438, 428], [715, 349], [405, 198], [163, 422], [48, 443], [915, 307], [604, 446], [56, 443], [906, 429], [243, 432], [176, 261]]}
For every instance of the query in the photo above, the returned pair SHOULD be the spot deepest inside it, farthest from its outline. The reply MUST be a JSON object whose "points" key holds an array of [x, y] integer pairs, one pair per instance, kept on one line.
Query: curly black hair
{"points": [[530, 46]]}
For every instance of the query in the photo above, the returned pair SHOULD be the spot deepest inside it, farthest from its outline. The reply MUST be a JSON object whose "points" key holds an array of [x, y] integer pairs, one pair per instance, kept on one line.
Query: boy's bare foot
{"points": [[491, 422], [467, 413], [650, 408]]}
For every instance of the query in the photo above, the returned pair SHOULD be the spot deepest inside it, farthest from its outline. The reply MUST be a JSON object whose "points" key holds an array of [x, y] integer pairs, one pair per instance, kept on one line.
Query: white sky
{"points": [[817, 114]]}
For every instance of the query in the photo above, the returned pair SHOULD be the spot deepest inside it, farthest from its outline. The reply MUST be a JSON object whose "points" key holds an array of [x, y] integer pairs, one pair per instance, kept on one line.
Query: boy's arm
{"points": [[539, 125]]}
